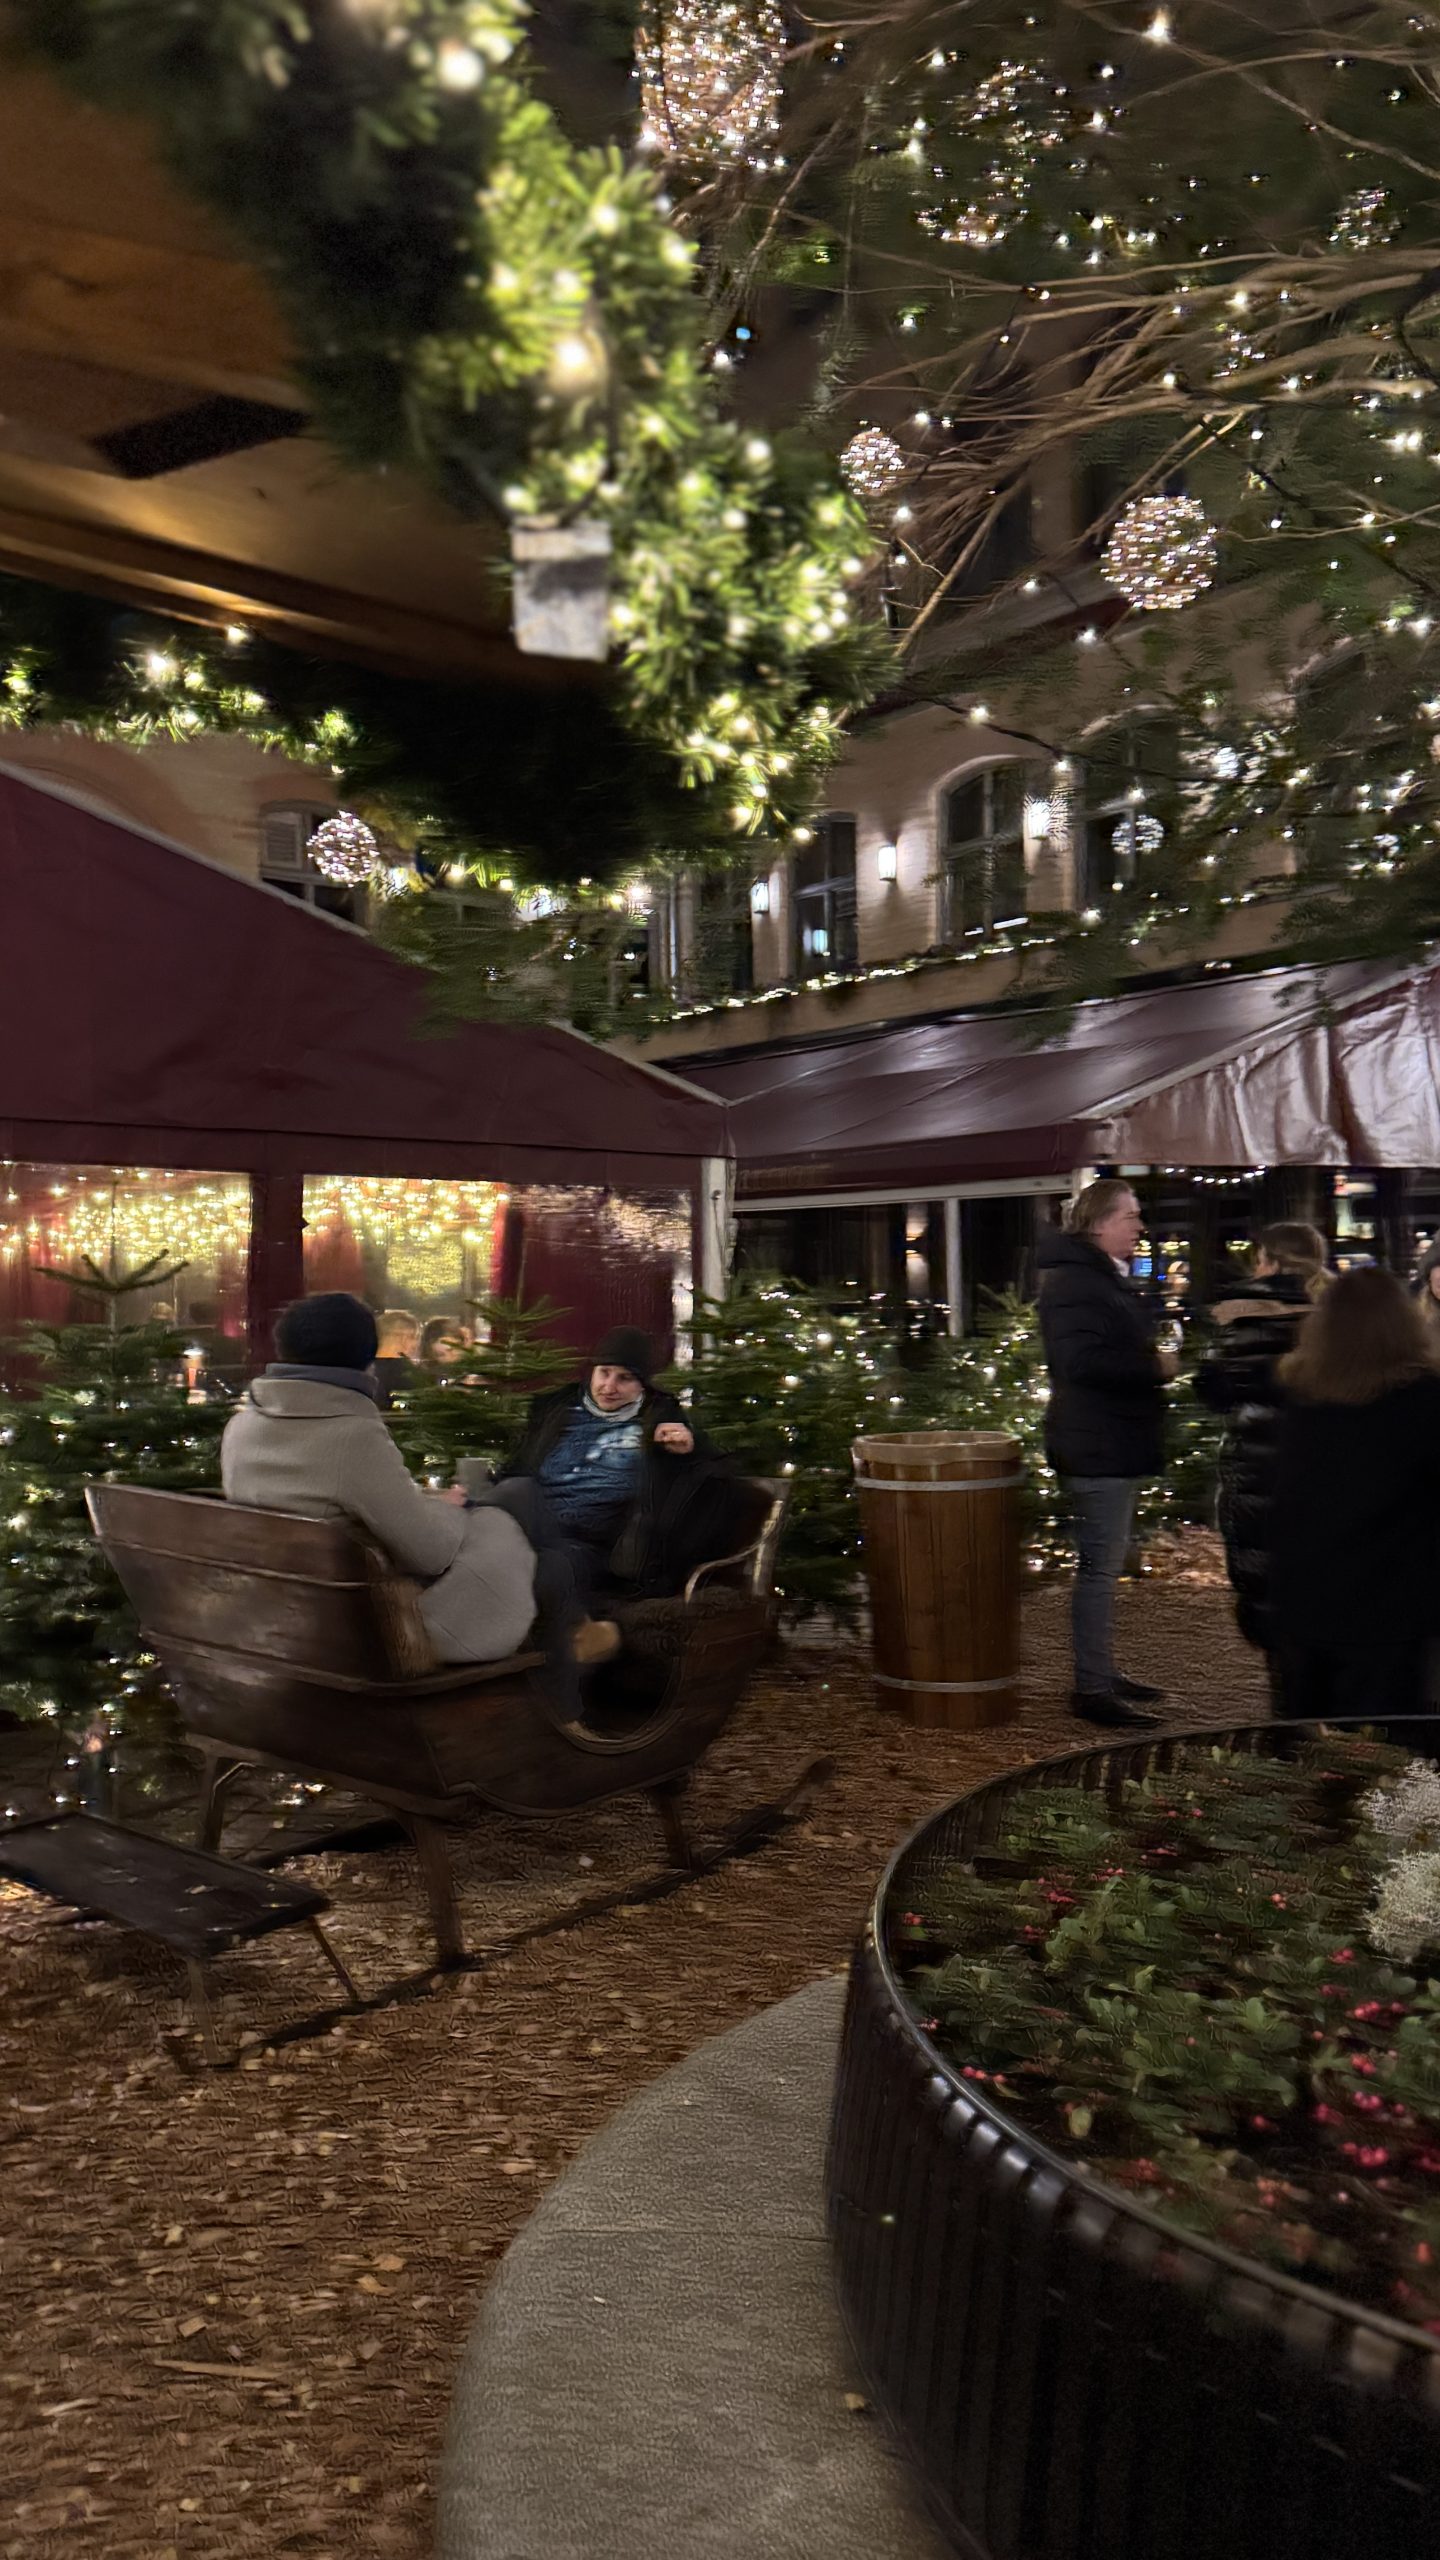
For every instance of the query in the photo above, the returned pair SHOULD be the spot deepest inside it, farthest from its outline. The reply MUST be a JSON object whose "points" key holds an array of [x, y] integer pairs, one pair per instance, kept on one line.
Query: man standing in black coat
{"points": [[1105, 1428]]}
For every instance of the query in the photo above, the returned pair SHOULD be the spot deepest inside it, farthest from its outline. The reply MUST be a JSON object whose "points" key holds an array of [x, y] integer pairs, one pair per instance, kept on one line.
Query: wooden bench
{"points": [[291, 1644], [196, 1905]]}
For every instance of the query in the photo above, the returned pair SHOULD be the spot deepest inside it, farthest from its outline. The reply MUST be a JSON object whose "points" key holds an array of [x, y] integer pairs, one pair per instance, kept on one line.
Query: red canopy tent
{"points": [[157, 1010], [1288, 1066]]}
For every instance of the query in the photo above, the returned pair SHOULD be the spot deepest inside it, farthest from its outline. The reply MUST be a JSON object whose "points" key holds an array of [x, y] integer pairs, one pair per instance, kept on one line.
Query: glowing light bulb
{"points": [[458, 67]]}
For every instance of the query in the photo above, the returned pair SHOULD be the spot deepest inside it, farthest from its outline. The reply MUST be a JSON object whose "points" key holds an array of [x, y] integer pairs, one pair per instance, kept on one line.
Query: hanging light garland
{"points": [[126, 1219], [1161, 554], [873, 463], [709, 77], [378, 1208], [345, 849]]}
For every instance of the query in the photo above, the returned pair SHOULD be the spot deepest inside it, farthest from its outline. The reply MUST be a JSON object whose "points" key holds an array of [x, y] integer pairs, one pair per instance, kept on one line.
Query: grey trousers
{"points": [[1104, 1510]]}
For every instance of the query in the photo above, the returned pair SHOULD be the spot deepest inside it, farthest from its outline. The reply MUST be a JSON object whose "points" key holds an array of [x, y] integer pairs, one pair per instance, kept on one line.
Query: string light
{"points": [[1362, 221], [124, 1220]]}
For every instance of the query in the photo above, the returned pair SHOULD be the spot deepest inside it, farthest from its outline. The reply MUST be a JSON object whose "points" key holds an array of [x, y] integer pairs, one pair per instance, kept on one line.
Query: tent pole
{"points": [[954, 1273], [276, 1266]]}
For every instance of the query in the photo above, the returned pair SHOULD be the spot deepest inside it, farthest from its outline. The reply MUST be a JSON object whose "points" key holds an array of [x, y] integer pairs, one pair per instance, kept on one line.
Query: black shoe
{"points": [[1135, 1693], [1102, 1706]]}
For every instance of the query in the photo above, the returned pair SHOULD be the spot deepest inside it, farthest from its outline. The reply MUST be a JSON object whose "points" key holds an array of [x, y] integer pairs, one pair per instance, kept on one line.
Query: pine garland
{"points": [[518, 782], [477, 300]]}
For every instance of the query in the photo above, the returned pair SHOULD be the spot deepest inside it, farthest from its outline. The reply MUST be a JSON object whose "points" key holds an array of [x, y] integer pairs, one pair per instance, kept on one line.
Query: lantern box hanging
{"points": [[562, 588]]}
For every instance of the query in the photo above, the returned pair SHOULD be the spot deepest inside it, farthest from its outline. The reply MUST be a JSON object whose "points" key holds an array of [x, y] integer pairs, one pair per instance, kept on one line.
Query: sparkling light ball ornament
{"points": [[709, 77], [1137, 835], [1365, 220], [345, 849], [1013, 113], [1161, 554], [872, 463]]}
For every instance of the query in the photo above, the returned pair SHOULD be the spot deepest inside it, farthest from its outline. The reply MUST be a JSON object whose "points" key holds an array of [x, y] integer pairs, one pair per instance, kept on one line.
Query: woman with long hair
{"points": [[1356, 1574], [1256, 1323]]}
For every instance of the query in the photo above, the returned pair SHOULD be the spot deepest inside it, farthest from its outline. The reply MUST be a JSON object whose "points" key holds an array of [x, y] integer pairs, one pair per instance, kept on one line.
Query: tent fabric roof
{"points": [[156, 1009], [1340, 1066]]}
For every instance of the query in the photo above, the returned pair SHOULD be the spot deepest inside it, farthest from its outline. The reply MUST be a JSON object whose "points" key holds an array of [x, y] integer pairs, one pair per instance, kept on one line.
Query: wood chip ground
{"points": [[233, 2303]]}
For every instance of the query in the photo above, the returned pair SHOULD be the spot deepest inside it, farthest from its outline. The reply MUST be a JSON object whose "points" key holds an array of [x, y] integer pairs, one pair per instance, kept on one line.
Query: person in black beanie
{"points": [[628, 1482]]}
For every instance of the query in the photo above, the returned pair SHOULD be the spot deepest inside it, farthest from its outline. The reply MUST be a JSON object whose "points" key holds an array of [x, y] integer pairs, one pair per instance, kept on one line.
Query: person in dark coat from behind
{"points": [[1356, 1575], [1256, 1324], [1427, 1290], [1105, 1426]]}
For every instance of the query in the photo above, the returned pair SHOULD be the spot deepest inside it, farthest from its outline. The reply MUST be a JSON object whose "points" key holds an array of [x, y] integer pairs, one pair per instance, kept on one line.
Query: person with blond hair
{"points": [[1355, 1581], [1256, 1323], [396, 1361], [1105, 1424]]}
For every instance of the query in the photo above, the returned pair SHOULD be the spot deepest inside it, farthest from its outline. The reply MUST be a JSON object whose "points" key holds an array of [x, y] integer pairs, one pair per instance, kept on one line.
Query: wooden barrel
{"points": [[940, 1518]]}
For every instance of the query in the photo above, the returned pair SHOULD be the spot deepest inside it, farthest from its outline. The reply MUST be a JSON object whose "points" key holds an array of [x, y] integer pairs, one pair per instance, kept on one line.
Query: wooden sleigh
{"points": [[291, 1644]]}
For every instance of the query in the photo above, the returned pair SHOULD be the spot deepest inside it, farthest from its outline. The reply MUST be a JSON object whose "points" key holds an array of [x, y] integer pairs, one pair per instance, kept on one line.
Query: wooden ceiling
{"points": [[153, 448]]}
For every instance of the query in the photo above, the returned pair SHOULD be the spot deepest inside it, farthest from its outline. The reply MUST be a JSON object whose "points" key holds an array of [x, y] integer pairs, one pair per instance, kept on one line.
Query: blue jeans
{"points": [[1104, 1509]]}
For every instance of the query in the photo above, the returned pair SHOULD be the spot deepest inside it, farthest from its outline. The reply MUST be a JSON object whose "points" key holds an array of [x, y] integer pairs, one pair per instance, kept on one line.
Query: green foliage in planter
{"points": [[104, 1403], [1191, 1989]]}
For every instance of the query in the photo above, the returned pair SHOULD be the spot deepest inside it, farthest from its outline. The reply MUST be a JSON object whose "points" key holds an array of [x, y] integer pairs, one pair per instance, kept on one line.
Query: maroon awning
{"points": [[158, 1010], [1340, 1066]]}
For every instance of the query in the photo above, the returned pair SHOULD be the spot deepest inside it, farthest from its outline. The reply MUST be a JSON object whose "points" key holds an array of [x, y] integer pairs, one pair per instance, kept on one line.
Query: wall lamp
{"points": [[887, 861]]}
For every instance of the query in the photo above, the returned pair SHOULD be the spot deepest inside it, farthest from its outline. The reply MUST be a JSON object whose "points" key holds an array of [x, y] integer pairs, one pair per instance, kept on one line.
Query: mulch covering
{"points": [[234, 2301]]}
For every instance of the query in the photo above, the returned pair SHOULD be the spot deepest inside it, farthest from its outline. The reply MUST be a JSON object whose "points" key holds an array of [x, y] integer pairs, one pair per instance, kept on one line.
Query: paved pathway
{"points": [[659, 2370]]}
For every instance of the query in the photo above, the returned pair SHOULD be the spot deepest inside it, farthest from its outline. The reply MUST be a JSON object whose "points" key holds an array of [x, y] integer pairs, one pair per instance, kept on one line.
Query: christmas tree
{"points": [[787, 1383], [998, 1381], [784, 1382], [106, 1401], [477, 1408]]}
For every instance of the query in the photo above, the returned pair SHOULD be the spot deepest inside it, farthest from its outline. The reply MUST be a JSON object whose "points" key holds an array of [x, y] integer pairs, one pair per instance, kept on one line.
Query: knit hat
{"points": [[626, 1347], [332, 1330]]}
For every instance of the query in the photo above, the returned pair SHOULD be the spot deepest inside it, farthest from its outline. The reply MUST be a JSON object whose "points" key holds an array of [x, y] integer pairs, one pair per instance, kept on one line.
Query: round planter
{"points": [[1074, 2378]]}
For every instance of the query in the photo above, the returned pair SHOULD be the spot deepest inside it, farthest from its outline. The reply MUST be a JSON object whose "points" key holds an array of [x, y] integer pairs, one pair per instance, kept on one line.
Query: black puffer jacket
{"points": [[1237, 1377], [1107, 1399], [1357, 1521], [689, 1510]]}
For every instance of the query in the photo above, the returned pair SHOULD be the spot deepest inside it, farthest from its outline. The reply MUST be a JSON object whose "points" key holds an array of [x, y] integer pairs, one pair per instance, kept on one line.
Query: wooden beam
{"points": [[168, 314], [138, 571]]}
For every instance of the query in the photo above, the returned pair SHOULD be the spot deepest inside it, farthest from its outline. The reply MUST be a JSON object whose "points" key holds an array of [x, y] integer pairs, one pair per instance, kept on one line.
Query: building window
{"points": [[825, 933], [285, 830], [1132, 794], [984, 850], [722, 962]]}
